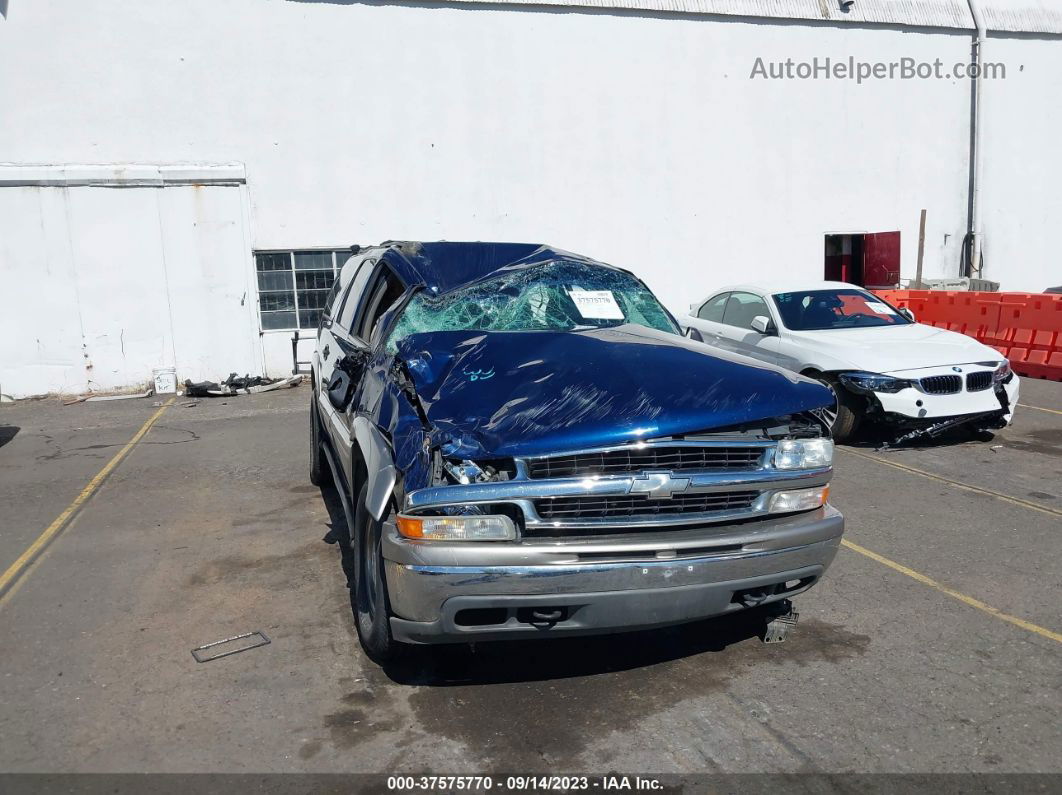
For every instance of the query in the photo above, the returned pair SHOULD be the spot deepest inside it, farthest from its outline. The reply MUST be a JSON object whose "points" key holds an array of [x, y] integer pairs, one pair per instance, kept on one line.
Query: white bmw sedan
{"points": [[880, 363]]}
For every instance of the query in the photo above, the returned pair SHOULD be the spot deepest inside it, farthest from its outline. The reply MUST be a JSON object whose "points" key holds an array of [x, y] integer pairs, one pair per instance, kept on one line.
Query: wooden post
{"points": [[921, 251]]}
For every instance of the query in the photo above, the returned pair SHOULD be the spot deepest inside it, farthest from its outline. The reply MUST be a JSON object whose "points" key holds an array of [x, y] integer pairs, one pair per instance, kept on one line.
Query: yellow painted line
{"points": [[964, 486], [968, 600], [26, 558], [1039, 408]]}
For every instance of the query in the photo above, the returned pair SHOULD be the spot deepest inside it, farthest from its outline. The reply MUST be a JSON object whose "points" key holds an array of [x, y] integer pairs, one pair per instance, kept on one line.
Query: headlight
{"points": [[1001, 372], [803, 453], [873, 382], [457, 528], [798, 500]]}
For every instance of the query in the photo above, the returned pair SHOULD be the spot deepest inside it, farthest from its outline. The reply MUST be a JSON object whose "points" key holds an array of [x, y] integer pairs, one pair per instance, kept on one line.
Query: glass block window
{"points": [[294, 285]]}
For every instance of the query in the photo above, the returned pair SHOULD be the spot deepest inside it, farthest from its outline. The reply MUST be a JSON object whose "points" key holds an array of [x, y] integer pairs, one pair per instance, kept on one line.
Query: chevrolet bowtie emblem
{"points": [[658, 485]]}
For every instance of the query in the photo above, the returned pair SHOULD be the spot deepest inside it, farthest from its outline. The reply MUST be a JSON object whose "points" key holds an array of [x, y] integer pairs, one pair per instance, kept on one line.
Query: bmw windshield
{"points": [[553, 296], [815, 310]]}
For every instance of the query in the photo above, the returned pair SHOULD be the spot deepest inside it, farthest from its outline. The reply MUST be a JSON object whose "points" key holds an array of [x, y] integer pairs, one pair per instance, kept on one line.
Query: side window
{"points": [[713, 308], [330, 302], [386, 290], [358, 284], [742, 308]]}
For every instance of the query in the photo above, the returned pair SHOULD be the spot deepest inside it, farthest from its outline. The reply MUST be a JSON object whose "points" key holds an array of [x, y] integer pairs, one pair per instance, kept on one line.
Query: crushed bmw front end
{"points": [[926, 401]]}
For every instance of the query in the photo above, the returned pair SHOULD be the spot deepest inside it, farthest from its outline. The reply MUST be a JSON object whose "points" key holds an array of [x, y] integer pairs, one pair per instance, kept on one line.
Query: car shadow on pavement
{"points": [[531, 659], [7, 433]]}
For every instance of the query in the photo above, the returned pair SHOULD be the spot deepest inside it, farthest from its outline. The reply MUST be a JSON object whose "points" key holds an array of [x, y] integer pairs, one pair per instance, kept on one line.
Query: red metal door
{"points": [[881, 259]]}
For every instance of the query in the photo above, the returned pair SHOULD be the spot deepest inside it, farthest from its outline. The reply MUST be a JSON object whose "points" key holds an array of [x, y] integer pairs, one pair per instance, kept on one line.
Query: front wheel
{"points": [[319, 470], [843, 416], [372, 608]]}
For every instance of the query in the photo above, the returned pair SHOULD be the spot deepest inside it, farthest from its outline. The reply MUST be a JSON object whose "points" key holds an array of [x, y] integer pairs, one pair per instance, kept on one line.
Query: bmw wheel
{"points": [[843, 416]]}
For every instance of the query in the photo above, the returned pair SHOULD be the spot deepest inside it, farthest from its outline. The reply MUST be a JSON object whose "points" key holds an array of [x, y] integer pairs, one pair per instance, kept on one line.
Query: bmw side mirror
{"points": [[763, 325], [694, 334], [907, 313]]}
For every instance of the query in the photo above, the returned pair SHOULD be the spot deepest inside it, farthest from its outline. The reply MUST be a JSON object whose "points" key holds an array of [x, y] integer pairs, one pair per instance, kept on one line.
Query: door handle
{"points": [[324, 353]]}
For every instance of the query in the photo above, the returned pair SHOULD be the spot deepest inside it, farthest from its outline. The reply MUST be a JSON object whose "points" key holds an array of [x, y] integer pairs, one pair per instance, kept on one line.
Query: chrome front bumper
{"points": [[603, 584]]}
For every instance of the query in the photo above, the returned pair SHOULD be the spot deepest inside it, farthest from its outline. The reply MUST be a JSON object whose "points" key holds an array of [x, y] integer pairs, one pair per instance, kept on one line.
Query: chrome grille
{"points": [[941, 384], [572, 508], [637, 459], [977, 382]]}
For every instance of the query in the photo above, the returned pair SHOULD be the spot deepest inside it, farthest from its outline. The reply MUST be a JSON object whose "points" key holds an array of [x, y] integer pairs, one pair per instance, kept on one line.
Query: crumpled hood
{"points": [[503, 393], [891, 349]]}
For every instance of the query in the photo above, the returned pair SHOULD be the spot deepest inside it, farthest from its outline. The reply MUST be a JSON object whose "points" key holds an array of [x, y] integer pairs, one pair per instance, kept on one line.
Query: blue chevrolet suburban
{"points": [[526, 445]]}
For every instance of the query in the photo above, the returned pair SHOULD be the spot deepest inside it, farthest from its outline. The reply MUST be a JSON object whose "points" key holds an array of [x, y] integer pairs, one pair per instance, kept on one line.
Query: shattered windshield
{"points": [[553, 296]]}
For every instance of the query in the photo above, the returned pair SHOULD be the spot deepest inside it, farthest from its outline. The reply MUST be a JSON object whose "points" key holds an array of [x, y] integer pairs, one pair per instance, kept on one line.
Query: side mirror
{"points": [[694, 308], [907, 313], [762, 324], [345, 377], [694, 334], [340, 390]]}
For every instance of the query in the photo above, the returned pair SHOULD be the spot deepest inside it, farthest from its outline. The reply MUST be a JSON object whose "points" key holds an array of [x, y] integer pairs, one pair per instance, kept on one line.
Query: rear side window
{"points": [[742, 308], [385, 291], [330, 302], [353, 299], [713, 308]]}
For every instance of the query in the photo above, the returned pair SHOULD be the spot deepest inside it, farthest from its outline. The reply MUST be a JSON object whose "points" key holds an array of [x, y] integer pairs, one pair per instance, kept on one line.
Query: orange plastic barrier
{"points": [[1024, 327]]}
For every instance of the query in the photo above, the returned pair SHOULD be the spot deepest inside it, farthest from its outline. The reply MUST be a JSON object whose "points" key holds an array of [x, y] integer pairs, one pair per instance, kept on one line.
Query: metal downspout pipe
{"points": [[976, 239]]}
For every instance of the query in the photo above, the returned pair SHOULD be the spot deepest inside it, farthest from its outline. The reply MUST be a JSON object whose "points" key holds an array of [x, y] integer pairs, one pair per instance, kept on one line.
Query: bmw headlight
{"points": [[1002, 373], [803, 454], [865, 383]]}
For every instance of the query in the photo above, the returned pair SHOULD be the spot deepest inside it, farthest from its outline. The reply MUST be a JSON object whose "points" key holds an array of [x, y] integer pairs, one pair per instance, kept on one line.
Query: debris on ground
{"points": [[216, 654], [235, 385], [91, 398], [100, 398]]}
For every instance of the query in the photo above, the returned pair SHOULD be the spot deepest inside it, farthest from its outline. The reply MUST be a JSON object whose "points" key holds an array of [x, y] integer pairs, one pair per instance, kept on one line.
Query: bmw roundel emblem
{"points": [[957, 369]]}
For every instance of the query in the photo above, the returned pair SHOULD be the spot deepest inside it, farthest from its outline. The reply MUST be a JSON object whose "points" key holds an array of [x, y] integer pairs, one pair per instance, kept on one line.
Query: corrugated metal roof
{"points": [[1036, 16], [1023, 16], [926, 13]]}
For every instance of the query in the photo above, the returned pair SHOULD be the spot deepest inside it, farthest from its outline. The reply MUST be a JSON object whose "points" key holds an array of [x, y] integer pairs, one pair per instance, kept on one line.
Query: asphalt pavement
{"points": [[931, 646]]}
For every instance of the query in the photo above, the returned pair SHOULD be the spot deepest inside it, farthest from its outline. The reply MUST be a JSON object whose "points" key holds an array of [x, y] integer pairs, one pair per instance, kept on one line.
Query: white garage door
{"points": [[109, 273]]}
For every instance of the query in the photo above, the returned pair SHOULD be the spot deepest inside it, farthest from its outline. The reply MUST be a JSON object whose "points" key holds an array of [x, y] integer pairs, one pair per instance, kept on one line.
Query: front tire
{"points": [[319, 469], [845, 414], [372, 608]]}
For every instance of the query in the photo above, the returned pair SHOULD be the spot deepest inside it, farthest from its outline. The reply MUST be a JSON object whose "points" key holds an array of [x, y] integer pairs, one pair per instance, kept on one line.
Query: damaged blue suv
{"points": [[526, 446]]}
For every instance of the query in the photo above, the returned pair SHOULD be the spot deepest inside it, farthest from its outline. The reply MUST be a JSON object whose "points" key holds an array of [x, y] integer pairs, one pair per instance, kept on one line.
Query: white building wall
{"points": [[637, 139], [1022, 187]]}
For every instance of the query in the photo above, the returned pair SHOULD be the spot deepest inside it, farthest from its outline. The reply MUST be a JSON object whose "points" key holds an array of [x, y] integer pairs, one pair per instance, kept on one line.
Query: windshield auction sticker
{"points": [[881, 309], [596, 304]]}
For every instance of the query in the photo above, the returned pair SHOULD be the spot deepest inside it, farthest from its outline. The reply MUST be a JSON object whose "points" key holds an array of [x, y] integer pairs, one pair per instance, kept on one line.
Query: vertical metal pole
{"points": [[921, 250], [976, 236]]}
